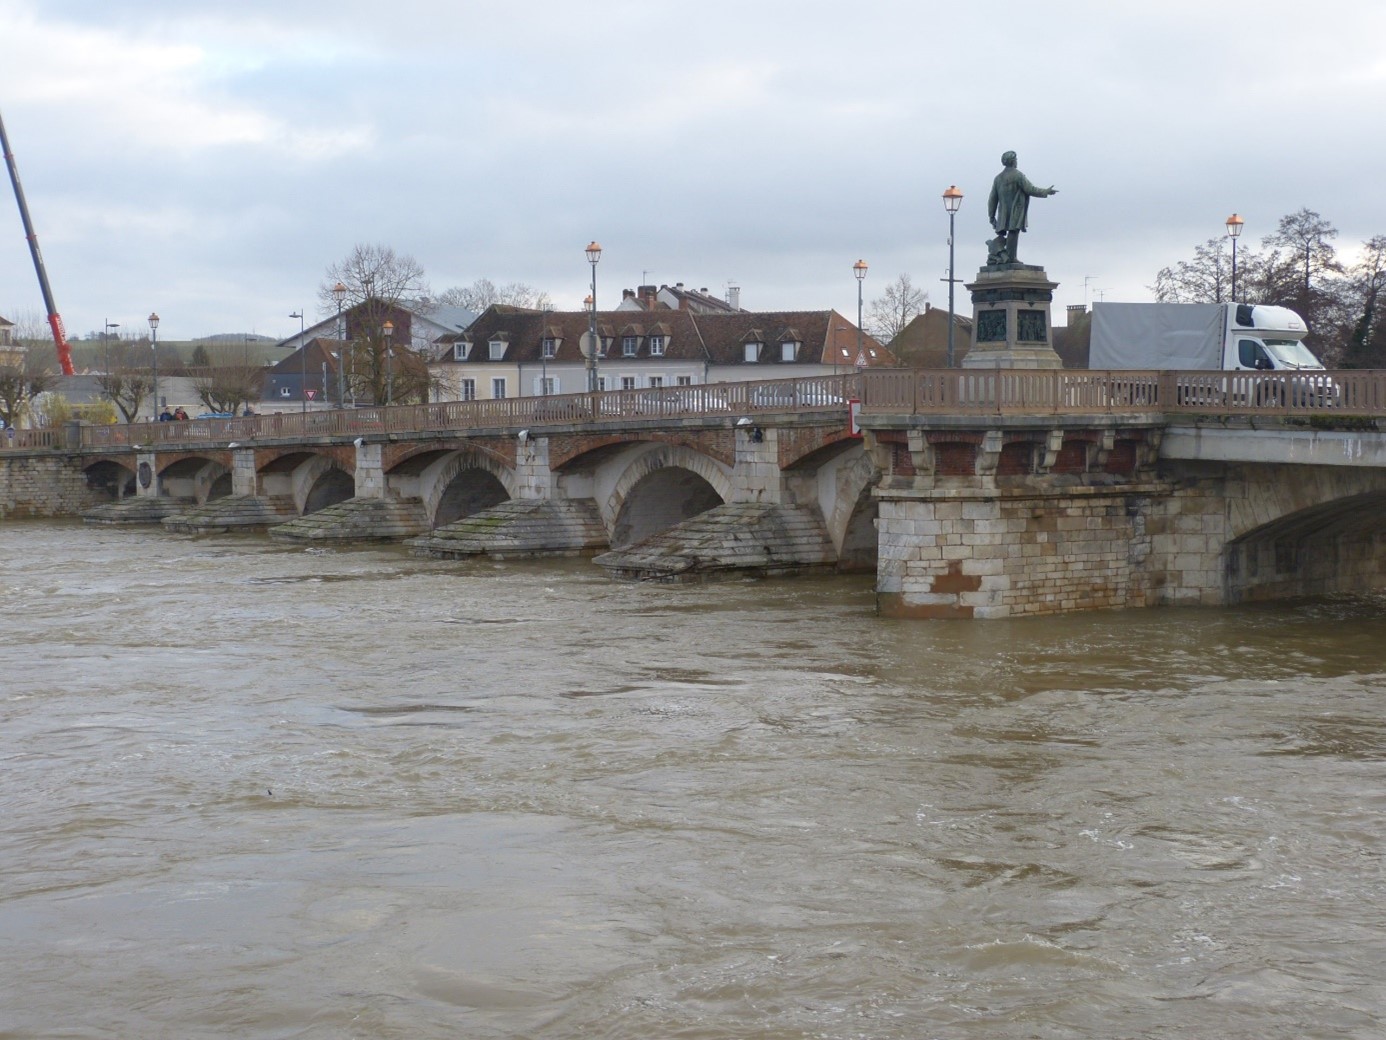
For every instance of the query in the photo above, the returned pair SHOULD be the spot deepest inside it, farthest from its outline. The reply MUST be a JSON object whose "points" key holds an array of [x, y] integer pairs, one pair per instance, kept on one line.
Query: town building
{"points": [[329, 359], [923, 343], [518, 352]]}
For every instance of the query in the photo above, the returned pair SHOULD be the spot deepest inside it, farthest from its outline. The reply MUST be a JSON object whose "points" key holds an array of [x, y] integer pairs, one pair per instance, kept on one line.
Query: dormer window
{"points": [[461, 349], [656, 346], [753, 352], [498, 349], [550, 347], [629, 344], [789, 350]]}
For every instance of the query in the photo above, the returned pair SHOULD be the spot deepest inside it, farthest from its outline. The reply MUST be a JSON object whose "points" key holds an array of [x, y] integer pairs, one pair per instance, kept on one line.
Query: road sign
{"points": [[310, 394]]}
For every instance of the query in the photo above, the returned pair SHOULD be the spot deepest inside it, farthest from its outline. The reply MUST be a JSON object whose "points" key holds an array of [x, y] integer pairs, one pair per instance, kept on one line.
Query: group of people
{"points": [[177, 415]]}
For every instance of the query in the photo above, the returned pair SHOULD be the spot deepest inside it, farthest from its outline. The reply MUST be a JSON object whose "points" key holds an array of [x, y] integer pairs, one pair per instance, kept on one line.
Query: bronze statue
{"points": [[1008, 208]]}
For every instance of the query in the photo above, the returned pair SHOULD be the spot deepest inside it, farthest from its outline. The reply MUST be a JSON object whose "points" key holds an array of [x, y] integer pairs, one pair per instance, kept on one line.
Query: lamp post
{"points": [[387, 331], [859, 269], [339, 292], [594, 253], [1234, 232], [107, 365], [303, 359], [952, 199], [543, 363], [154, 358]]}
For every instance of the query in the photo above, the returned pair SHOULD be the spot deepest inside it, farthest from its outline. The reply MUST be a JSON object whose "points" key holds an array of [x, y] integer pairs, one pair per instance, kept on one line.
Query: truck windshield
{"points": [[1291, 353]]}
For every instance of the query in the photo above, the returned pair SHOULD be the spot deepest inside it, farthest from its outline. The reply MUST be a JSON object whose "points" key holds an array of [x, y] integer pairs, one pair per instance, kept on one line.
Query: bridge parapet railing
{"points": [[24, 440], [805, 394], [1059, 391]]}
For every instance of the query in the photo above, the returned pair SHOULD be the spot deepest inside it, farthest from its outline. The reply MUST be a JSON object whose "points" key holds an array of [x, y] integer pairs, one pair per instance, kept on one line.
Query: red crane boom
{"points": [[55, 321]]}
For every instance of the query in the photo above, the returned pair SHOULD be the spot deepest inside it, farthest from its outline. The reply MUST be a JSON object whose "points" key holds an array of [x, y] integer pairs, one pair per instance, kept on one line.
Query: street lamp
{"points": [[109, 326], [859, 269], [1234, 232], [339, 292], [952, 200], [154, 357], [594, 253], [303, 359], [387, 331]]}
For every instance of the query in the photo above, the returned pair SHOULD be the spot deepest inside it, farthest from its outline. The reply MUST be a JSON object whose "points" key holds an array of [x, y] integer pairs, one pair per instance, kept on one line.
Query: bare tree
{"points": [[126, 381], [383, 370], [228, 387], [888, 314], [482, 293], [1206, 278], [378, 283], [1364, 344], [1308, 236], [373, 273], [21, 380]]}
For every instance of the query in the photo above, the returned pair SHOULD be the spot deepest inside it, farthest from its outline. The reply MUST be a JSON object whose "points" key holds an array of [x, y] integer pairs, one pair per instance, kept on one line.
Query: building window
{"points": [[497, 389], [601, 382], [752, 352], [468, 389], [548, 386], [628, 345], [550, 347], [656, 346], [497, 349], [683, 380], [627, 382], [656, 380], [789, 350], [285, 391], [460, 350]]}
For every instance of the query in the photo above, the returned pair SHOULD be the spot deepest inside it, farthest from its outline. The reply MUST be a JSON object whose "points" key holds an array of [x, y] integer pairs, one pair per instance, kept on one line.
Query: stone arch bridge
{"points": [[968, 494]]}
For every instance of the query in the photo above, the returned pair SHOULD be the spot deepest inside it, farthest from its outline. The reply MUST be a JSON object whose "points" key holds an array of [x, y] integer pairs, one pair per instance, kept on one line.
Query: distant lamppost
{"points": [[1234, 232], [107, 366], [339, 292], [952, 199], [388, 331], [594, 253], [154, 357], [303, 359], [859, 269]]}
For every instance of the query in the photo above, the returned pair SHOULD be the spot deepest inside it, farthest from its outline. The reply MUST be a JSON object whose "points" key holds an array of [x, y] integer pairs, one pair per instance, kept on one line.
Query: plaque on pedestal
{"points": [[1010, 318]]}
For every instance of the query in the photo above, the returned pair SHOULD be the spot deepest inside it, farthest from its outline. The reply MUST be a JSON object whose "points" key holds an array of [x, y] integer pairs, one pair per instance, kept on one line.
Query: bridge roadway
{"points": [[971, 493]]}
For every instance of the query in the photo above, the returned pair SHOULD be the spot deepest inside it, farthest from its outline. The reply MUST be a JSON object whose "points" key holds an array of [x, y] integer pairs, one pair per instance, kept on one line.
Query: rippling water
{"points": [[257, 791]]}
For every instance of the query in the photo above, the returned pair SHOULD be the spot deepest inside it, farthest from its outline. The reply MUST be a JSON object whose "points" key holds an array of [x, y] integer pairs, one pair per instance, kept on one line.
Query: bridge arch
{"points": [[851, 519], [661, 488], [1305, 533], [110, 476], [320, 483], [465, 482], [196, 478], [312, 480]]}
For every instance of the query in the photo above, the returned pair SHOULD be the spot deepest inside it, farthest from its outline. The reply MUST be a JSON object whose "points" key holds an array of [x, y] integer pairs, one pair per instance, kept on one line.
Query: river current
{"points": [[254, 791]]}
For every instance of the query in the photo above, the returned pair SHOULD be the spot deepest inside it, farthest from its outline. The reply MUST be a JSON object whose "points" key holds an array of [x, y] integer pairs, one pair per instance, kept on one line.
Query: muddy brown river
{"points": [[255, 791]]}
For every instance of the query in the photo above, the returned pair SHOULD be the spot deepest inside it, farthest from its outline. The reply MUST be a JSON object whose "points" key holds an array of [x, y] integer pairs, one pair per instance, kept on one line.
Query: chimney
{"points": [[648, 296], [1076, 311], [627, 294], [734, 297]]}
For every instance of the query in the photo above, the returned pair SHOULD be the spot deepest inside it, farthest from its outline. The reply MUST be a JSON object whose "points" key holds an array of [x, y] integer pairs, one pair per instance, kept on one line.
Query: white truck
{"points": [[1216, 337], [1192, 336]]}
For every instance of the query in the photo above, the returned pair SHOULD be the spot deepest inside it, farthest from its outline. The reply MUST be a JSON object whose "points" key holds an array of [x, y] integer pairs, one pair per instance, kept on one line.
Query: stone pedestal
{"points": [[1010, 318]]}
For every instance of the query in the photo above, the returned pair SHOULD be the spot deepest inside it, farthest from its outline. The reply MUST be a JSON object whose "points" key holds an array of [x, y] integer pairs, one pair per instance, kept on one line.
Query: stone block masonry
{"points": [[992, 553], [45, 484]]}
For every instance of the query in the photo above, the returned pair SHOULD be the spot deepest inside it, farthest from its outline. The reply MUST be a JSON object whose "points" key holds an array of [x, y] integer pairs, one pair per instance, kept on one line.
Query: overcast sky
{"points": [[209, 160]]}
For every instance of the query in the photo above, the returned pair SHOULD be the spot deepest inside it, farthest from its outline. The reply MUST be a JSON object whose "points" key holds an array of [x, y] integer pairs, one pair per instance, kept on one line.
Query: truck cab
{"points": [[1265, 338]]}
